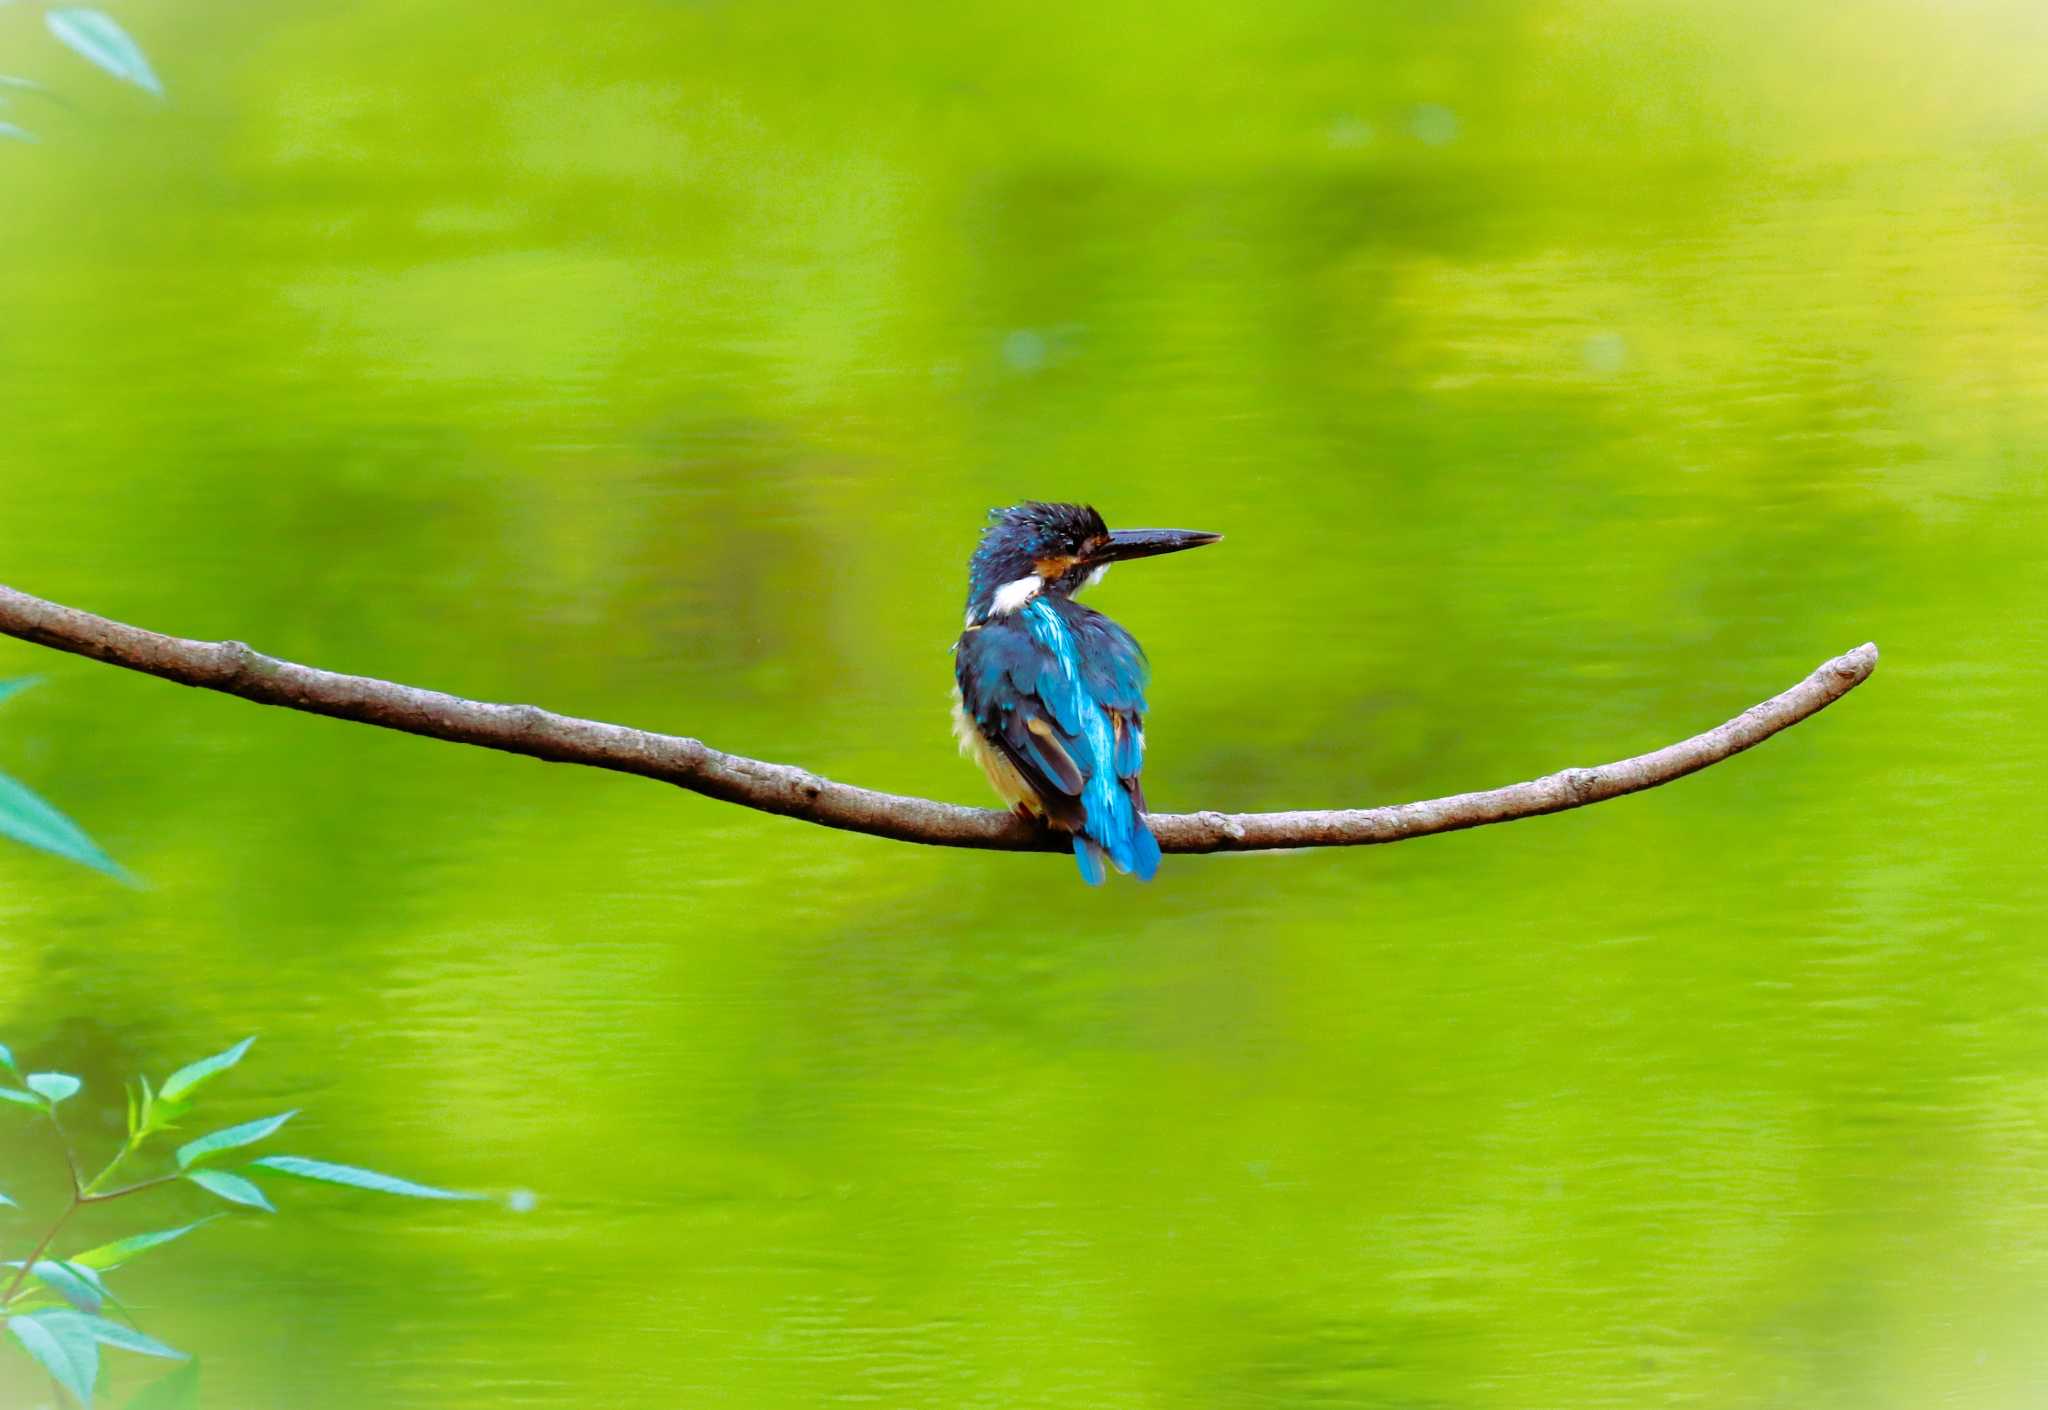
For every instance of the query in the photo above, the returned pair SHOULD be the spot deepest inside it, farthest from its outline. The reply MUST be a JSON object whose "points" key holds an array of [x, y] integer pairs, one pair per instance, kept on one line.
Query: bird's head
{"points": [[1034, 548]]}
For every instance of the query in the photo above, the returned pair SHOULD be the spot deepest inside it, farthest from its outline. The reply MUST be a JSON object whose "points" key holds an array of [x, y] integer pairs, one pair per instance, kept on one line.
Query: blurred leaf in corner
{"points": [[26, 818], [95, 35]]}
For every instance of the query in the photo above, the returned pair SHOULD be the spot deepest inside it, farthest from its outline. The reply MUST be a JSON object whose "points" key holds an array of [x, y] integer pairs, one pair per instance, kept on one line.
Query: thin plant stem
{"points": [[83, 1193], [140, 1185], [64, 1141], [49, 1235]]}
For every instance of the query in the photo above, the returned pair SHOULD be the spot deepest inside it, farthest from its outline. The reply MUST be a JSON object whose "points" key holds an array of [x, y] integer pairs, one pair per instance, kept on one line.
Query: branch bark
{"points": [[233, 668]]}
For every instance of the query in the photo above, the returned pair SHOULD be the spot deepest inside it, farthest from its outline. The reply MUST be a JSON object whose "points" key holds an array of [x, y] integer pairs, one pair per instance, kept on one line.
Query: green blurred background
{"points": [[1566, 377]]}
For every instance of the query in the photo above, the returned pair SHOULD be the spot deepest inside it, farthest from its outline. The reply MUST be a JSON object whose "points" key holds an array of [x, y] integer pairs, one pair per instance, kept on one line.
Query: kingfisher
{"points": [[1051, 694]]}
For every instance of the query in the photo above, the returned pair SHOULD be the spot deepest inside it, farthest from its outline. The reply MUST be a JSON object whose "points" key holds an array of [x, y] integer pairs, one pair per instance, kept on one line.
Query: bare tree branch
{"points": [[235, 669]]}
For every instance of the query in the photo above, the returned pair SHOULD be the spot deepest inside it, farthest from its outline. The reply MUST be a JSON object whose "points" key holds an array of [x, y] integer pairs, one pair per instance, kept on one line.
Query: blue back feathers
{"points": [[1079, 690]]}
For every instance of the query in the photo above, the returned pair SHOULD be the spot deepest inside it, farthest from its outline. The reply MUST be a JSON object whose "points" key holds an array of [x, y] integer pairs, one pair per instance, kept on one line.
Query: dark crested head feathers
{"points": [[1033, 539]]}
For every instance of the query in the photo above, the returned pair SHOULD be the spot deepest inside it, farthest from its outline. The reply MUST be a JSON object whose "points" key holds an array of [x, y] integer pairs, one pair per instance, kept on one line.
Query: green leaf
{"points": [[27, 818], [92, 1276], [127, 1338], [53, 1087], [8, 1094], [18, 683], [67, 1284], [300, 1168], [68, 1351], [232, 1188], [188, 1079], [246, 1134], [110, 1256], [94, 34], [177, 1391]]}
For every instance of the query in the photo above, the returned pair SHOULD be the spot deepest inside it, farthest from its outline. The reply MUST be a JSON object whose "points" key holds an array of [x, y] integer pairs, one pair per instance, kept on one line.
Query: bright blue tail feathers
{"points": [[1139, 855], [1144, 853], [1088, 857]]}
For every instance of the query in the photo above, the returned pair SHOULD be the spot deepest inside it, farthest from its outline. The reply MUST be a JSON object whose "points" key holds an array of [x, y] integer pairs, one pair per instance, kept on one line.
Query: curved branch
{"points": [[234, 668]]}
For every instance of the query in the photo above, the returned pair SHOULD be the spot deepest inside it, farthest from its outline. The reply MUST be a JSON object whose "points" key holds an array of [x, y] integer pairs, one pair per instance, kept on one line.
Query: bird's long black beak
{"points": [[1149, 543]]}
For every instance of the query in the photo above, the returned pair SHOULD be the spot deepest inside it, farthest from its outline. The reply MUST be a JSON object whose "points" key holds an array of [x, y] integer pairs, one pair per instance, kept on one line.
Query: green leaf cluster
{"points": [[55, 1306]]}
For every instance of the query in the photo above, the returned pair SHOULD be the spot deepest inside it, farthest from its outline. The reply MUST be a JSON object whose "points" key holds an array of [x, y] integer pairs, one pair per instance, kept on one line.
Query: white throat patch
{"points": [[1011, 597]]}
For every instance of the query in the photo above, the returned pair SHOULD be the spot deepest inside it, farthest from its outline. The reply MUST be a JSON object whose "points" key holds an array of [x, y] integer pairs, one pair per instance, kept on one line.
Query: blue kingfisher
{"points": [[1051, 698]]}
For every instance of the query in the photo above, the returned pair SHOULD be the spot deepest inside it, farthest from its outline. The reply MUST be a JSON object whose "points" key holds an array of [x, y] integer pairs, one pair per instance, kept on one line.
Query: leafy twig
{"points": [[65, 1340]]}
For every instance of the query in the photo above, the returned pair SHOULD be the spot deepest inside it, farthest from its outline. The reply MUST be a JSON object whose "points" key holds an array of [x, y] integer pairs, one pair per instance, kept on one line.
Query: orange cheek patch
{"points": [[1053, 569]]}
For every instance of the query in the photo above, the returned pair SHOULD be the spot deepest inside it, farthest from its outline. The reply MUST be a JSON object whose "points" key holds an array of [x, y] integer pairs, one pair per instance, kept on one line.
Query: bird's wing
{"points": [[1129, 727], [998, 666], [1116, 674]]}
